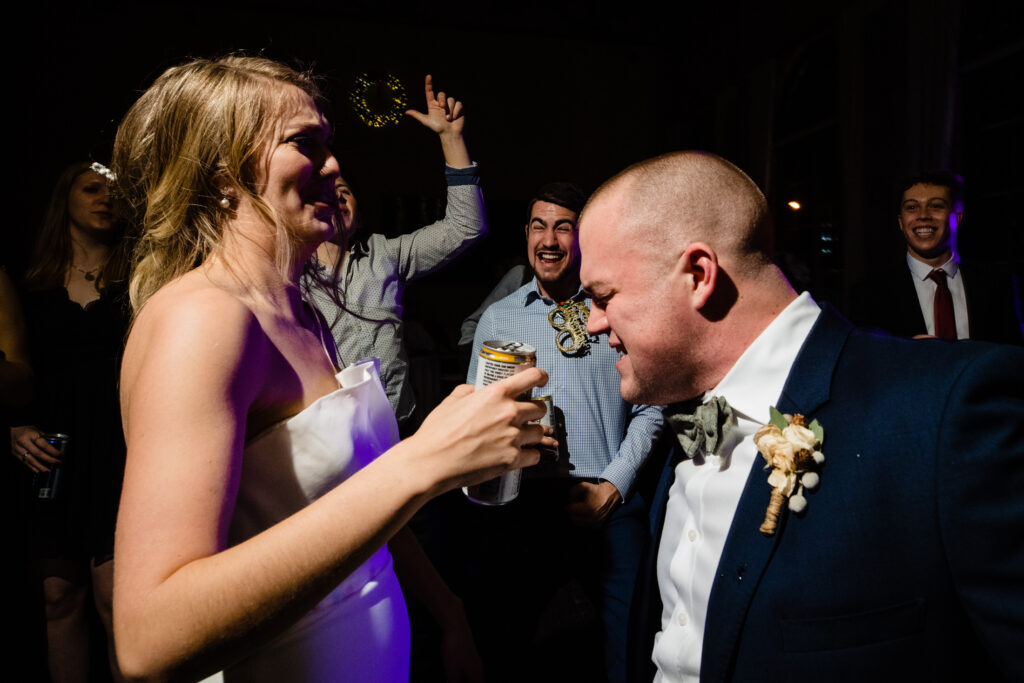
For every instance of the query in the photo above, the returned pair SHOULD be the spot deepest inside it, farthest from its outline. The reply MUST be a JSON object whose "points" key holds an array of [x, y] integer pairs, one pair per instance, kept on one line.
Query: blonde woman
{"points": [[259, 495]]}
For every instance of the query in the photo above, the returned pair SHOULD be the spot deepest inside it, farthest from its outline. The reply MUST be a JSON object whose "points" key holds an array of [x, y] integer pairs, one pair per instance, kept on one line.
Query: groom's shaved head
{"points": [[684, 197], [676, 255]]}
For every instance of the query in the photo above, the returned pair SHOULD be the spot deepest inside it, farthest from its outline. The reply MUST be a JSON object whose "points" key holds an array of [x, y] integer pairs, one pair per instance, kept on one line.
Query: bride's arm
{"points": [[184, 606]]}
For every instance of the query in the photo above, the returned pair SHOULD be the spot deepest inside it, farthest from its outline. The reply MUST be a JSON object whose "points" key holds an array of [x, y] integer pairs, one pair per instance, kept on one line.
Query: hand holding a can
{"points": [[473, 436], [30, 447]]}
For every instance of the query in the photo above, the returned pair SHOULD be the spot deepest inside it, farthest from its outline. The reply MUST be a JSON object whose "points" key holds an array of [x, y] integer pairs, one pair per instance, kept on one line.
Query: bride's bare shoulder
{"points": [[192, 323]]}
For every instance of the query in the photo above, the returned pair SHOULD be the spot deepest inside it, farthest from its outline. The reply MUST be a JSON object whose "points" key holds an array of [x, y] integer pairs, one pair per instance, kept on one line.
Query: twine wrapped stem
{"points": [[771, 516]]}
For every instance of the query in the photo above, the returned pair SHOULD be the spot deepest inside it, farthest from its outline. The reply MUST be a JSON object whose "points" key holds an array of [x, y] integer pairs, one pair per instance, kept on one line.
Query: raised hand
{"points": [[444, 116]]}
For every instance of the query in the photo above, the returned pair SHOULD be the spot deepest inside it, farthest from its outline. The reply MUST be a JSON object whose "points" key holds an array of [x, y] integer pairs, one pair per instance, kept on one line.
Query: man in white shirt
{"points": [[894, 568], [941, 297], [929, 217]]}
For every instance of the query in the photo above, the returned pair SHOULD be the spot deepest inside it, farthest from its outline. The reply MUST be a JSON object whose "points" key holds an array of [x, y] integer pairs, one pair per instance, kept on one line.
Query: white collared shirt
{"points": [[926, 292], [707, 489]]}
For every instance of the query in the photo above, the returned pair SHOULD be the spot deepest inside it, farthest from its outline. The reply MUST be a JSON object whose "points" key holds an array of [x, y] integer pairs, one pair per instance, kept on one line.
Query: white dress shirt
{"points": [[926, 292], [707, 489]]}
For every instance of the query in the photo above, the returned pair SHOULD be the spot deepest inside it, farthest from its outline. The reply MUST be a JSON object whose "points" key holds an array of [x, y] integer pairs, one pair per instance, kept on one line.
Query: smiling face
{"points": [[552, 246], [301, 171], [637, 302], [929, 223], [89, 203]]}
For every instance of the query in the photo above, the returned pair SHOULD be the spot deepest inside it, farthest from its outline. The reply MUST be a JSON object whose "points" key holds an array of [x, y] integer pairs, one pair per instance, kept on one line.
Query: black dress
{"points": [[76, 355]]}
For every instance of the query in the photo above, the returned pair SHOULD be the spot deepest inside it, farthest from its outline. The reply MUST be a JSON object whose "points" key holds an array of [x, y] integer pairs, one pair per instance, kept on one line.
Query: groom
{"points": [[906, 561]]}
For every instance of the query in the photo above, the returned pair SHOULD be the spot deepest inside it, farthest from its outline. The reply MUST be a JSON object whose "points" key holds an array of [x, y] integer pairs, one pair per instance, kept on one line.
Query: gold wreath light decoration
{"points": [[397, 101]]}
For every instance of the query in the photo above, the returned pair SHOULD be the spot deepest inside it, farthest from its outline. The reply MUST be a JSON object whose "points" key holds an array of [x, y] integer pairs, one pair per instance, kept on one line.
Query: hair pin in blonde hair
{"points": [[103, 171]]}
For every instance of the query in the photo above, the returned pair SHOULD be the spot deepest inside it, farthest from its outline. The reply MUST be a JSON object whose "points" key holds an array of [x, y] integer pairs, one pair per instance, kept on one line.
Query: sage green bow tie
{"points": [[705, 428]]}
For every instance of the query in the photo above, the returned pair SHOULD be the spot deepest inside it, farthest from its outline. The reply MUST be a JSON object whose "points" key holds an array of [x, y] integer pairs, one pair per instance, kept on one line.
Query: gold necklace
{"points": [[90, 275]]}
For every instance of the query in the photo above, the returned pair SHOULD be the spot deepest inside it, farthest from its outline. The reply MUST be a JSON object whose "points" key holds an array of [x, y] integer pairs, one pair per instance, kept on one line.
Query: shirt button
{"points": [[681, 619], [692, 535]]}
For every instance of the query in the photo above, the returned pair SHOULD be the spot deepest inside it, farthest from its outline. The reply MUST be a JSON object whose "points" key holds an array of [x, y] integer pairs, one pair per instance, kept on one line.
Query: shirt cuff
{"points": [[621, 475], [462, 176]]}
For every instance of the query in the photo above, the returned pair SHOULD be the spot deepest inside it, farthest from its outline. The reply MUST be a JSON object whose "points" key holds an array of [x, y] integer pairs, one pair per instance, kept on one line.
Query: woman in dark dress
{"points": [[76, 315]]}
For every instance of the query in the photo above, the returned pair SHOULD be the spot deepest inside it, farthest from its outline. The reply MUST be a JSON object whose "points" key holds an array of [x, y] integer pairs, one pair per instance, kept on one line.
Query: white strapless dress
{"points": [[360, 631]]}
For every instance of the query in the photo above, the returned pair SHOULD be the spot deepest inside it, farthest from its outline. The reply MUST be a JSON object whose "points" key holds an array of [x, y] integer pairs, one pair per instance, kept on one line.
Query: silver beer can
{"points": [[546, 452]]}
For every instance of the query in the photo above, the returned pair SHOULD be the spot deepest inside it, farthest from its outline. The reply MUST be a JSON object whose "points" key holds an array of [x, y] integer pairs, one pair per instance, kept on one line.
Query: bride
{"points": [[260, 488]]}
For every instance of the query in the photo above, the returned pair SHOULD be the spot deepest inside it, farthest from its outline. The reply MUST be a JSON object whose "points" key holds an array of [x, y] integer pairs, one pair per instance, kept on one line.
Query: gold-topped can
{"points": [[501, 359]]}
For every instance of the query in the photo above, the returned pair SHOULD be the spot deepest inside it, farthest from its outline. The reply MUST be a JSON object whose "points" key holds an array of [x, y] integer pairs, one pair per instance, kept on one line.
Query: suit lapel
{"points": [[810, 379], [747, 552]]}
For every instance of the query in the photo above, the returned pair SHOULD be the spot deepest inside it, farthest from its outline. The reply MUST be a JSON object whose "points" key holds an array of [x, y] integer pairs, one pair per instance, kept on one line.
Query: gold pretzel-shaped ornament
{"points": [[570, 321]]}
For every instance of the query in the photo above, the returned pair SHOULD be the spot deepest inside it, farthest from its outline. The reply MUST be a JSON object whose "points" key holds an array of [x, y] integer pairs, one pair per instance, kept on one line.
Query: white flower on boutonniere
{"points": [[792, 450]]}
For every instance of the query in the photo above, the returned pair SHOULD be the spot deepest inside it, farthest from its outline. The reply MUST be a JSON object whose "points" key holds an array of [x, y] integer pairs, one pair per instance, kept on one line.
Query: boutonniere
{"points": [[792, 449]]}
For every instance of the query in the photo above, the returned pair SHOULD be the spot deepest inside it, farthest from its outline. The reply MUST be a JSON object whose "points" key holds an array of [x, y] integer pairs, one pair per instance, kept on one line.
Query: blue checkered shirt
{"points": [[607, 437]]}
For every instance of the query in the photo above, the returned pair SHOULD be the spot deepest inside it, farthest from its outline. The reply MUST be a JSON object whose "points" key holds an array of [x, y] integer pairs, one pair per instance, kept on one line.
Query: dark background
{"points": [[829, 104]]}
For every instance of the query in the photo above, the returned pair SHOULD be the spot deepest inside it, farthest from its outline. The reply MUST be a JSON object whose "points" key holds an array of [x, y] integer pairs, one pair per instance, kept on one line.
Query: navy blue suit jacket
{"points": [[908, 563]]}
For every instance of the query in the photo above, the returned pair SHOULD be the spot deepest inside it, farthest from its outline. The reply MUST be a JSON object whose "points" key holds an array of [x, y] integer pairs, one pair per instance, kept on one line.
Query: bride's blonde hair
{"points": [[200, 128]]}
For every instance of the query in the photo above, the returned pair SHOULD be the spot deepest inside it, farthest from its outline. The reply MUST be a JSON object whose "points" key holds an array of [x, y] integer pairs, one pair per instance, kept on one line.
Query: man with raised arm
{"points": [[363, 305]]}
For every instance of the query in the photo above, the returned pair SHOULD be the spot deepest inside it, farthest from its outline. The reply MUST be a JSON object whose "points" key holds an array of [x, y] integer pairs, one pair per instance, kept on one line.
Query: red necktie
{"points": [[945, 321]]}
